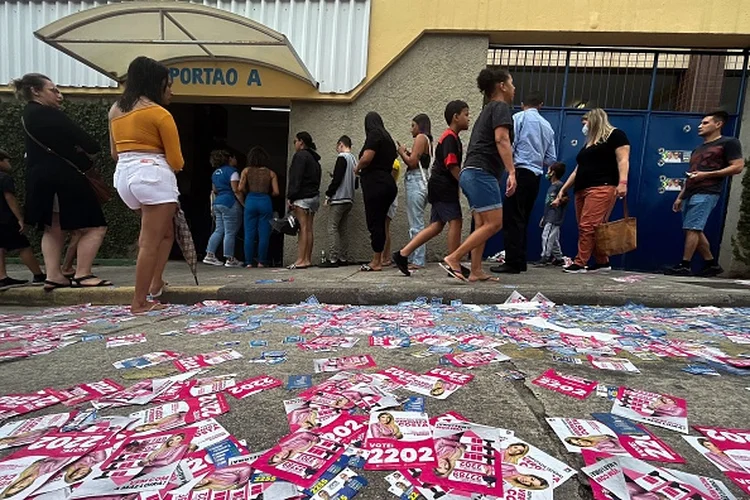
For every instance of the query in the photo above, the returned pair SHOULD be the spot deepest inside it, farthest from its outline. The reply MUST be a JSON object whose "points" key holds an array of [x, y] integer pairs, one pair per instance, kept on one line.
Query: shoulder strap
{"points": [[49, 150]]}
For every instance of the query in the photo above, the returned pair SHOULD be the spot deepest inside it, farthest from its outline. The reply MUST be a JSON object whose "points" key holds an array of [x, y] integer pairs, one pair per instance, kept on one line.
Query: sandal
{"points": [[366, 268], [69, 276], [465, 271], [292, 267], [53, 285], [486, 278], [79, 284], [159, 293], [452, 272]]}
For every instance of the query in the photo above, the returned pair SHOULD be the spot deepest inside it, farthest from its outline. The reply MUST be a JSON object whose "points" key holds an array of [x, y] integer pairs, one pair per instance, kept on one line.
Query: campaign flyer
{"points": [[569, 385], [83, 393], [13, 405], [518, 452], [466, 458], [433, 387], [328, 365], [208, 385], [729, 450], [254, 385], [638, 441], [123, 340], [398, 440], [302, 457], [524, 483], [479, 357], [451, 376], [578, 434], [206, 360], [337, 484], [25, 471], [146, 360], [177, 414], [661, 410], [614, 364], [27, 431], [302, 414], [139, 463]]}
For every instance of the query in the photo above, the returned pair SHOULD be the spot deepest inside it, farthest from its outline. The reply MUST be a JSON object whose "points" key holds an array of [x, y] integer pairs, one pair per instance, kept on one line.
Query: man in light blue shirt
{"points": [[533, 151]]}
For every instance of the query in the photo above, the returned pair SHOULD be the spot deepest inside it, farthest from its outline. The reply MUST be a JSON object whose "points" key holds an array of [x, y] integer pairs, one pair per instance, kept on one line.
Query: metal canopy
{"points": [[108, 38]]}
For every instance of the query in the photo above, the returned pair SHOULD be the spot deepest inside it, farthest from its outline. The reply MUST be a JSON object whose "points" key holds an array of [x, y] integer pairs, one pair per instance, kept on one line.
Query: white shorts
{"points": [[145, 179]]}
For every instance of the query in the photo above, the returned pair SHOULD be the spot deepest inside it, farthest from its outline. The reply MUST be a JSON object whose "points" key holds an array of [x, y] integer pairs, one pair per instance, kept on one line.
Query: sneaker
{"points": [[329, 264], [8, 282], [711, 271], [39, 279], [574, 269], [401, 262], [211, 260], [543, 262], [678, 270], [231, 262], [599, 267], [557, 262], [505, 269]]}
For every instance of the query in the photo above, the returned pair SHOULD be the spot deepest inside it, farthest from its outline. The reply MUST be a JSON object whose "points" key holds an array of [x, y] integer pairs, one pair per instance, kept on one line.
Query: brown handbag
{"points": [[617, 237], [102, 191]]}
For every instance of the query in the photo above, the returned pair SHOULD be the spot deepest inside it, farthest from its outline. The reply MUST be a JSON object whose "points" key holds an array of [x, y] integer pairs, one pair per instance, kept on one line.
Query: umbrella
{"points": [[185, 241]]}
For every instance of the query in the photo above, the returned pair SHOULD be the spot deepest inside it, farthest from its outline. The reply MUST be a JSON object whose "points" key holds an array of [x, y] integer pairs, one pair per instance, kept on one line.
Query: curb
{"points": [[373, 295]]}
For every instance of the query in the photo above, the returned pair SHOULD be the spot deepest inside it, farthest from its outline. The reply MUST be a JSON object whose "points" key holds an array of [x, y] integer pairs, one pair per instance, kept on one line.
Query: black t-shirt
{"points": [[448, 153], [482, 152], [597, 164], [7, 185], [709, 157], [385, 153]]}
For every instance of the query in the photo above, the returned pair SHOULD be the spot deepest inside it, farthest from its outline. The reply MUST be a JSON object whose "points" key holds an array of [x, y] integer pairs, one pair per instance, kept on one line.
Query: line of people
{"points": [[144, 141]]}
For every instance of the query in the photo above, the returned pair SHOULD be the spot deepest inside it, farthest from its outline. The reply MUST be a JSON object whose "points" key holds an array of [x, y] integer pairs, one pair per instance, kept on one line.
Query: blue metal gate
{"points": [[644, 95]]}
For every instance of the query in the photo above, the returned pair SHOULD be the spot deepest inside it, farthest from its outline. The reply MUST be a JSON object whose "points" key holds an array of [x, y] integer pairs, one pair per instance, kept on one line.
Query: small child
{"points": [[12, 228], [553, 218]]}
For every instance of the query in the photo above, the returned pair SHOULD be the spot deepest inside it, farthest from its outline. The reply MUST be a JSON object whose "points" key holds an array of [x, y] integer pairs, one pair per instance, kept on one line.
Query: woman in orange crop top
{"points": [[146, 145]]}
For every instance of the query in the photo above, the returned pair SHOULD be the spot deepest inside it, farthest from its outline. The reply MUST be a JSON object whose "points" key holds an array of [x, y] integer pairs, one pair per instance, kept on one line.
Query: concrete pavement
{"points": [[349, 286]]}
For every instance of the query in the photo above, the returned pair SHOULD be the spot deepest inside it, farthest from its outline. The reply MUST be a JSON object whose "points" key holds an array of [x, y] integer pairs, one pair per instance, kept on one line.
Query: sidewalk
{"points": [[349, 286]]}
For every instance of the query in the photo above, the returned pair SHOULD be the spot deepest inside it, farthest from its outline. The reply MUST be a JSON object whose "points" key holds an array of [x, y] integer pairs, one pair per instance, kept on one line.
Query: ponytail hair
{"points": [[31, 81], [489, 77], [306, 139]]}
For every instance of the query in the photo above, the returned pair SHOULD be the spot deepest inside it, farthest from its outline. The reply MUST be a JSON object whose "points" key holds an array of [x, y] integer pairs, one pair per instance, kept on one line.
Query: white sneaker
{"points": [[211, 260], [232, 262]]}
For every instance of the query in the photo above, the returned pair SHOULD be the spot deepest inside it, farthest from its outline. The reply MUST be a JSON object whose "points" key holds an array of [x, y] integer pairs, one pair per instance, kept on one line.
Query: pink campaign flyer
{"points": [[569, 385], [661, 410], [399, 440]]}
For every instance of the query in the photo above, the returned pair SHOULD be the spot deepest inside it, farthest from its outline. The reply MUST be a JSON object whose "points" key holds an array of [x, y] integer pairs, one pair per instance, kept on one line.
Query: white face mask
{"points": [[585, 130]]}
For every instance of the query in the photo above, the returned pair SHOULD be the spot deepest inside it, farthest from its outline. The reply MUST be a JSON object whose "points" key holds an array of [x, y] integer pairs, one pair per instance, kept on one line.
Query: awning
{"points": [[108, 38]]}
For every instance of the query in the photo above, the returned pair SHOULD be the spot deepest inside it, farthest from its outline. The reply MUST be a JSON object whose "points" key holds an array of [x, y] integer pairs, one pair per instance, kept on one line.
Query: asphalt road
{"points": [[488, 399]]}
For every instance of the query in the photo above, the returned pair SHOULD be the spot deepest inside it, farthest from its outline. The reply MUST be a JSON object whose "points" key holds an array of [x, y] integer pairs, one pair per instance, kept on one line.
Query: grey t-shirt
{"points": [[554, 215], [482, 152]]}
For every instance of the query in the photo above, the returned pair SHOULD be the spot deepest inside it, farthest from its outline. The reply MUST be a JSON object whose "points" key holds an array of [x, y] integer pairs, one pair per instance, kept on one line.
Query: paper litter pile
{"points": [[364, 420]]}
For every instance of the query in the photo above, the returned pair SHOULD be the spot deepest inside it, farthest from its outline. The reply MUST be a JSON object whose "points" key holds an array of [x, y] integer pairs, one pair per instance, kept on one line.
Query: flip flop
{"points": [[101, 283], [367, 269], [452, 272], [54, 285], [159, 293], [292, 267], [486, 278], [465, 271], [69, 276]]}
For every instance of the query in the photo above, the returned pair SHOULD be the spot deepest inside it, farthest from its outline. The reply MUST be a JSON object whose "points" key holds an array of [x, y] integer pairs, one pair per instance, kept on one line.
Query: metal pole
{"points": [[561, 121], [743, 91]]}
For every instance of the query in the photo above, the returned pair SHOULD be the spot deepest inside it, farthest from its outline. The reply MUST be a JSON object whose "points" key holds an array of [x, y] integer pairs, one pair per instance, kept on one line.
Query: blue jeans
{"points": [[481, 188], [696, 210], [258, 215], [228, 221], [416, 201]]}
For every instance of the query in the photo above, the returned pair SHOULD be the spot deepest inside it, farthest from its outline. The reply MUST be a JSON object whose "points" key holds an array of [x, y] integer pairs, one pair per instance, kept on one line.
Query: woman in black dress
{"points": [[59, 197], [378, 186]]}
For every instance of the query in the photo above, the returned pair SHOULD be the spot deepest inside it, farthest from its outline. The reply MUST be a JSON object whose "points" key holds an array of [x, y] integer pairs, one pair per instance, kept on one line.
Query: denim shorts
{"points": [[445, 212], [481, 188], [696, 209], [309, 204]]}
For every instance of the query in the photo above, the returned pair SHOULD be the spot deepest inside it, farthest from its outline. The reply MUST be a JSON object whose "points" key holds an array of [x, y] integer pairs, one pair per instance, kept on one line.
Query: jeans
{"points": [[696, 210], [593, 207], [338, 235], [258, 215], [517, 210], [481, 188], [416, 202], [551, 242], [228, 221]]}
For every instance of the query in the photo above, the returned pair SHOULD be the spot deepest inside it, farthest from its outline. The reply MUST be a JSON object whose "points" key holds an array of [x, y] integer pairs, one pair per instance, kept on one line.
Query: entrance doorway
{"points": [[235, 128]]}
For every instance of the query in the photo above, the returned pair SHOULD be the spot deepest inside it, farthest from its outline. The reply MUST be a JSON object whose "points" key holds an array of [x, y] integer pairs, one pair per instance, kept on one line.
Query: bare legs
{"points": [[434, 229], [165, 247], [70, 253], [157, 235], [29, 260], [696, 240], [486, 224], [52, 245], [88, 246], [305, 238]]}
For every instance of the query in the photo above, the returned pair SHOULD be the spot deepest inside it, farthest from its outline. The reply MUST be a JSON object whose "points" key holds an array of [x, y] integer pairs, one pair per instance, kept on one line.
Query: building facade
{"points": [[255, 72]]}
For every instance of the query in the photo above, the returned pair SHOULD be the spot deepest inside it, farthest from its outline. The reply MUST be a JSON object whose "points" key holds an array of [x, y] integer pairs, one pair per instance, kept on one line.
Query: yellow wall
{"points": [[396, 25]]}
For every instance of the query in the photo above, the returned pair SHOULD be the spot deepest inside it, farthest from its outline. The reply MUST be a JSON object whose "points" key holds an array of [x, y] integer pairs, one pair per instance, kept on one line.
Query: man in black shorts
{"points": [[442, 187], [11, 230]]}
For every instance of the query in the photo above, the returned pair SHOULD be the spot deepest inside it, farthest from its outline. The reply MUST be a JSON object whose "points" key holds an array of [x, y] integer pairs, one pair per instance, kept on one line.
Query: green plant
{"points": [[91, 114], [741, 240]]}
